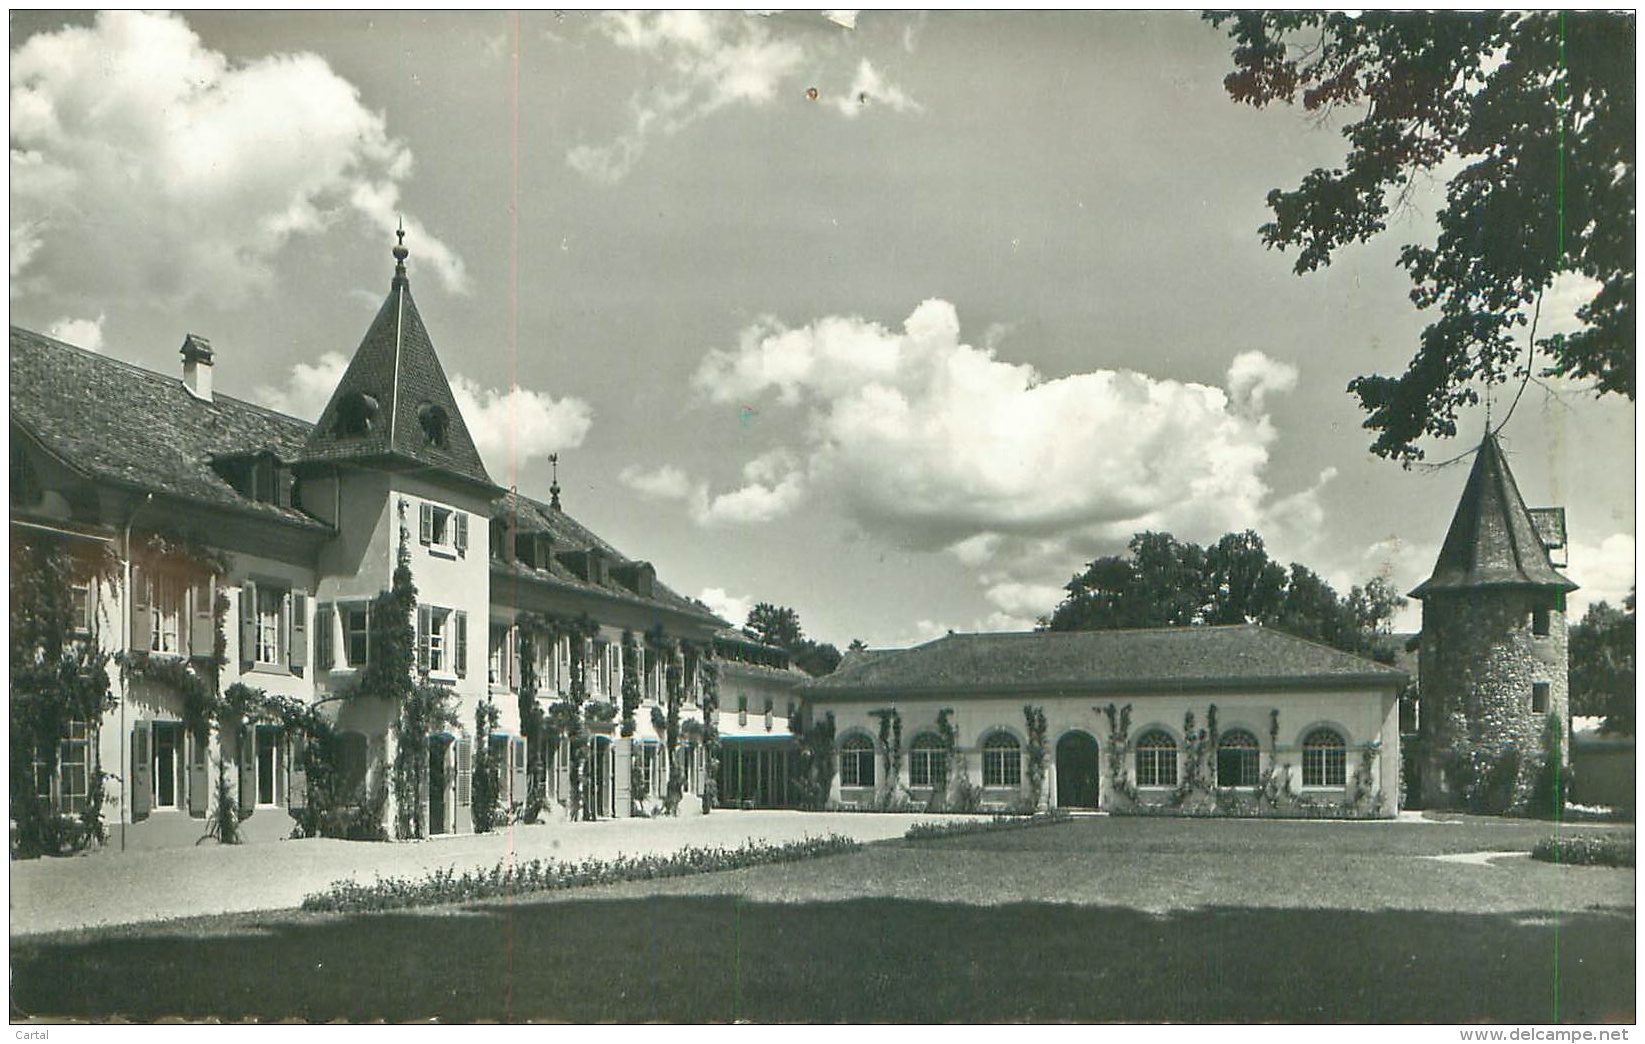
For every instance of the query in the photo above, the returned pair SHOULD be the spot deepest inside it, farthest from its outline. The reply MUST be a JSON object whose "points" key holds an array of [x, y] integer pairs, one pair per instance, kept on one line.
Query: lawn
{"points": [[1091, 920]]}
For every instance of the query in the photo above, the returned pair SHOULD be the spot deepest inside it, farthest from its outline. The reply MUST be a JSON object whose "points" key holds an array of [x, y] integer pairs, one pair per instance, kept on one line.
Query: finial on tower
{"points": [[400, 253], [554, 485]]}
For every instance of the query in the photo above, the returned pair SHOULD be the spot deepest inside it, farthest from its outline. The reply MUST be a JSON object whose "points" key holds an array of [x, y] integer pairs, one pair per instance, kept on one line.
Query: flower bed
{"points": [[924, 831], [549, 875]]}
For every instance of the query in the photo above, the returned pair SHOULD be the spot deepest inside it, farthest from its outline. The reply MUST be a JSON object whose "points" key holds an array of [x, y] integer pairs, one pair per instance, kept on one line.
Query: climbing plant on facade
{"points": [[891, 793], [487, 782], [708, 667], [1034, 719], [59, 675]]}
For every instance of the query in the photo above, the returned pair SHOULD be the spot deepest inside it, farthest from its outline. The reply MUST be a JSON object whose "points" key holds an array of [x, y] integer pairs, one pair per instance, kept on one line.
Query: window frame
{"points": [[268, 741], [856, 750], [179, 766], [1541, 697], [1156, 759], [1001, 763], [1249, 757], [924, 754], [345, 615], [1324, 765]]}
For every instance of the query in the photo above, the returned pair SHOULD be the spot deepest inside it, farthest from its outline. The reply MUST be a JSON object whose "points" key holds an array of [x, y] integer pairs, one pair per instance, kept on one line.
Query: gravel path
{"points": [[110, 887]]}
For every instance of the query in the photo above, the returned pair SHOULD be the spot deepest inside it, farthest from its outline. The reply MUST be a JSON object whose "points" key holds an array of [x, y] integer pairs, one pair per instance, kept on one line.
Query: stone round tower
{"points": [[1495, 677]]}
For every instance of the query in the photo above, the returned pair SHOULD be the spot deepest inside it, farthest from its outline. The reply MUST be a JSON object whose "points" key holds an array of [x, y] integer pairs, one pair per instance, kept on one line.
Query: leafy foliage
{"points": [[814, 761], [1602, 665], [1586, 849], [930, 830], [1534, 113], [487, 784], [1166, 582], [1034, 721], [778, 625], [57, 676]]}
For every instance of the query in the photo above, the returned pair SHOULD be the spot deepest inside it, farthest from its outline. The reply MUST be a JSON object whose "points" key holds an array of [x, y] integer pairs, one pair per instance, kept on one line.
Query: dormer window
{"points": [[356, 414], [436, 423]]}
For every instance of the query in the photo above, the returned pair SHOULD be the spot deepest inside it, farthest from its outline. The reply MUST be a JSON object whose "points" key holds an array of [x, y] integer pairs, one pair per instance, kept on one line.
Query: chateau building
{"points": [[220, 532]]}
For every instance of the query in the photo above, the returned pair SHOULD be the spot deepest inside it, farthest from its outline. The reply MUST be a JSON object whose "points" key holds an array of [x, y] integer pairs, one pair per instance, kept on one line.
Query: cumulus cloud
{"points": [[307, 389], [509, 428], [729, 607], [86, 333], [931, 443], [144, 165], [772, 486], [1605, 570], [712, 60]]}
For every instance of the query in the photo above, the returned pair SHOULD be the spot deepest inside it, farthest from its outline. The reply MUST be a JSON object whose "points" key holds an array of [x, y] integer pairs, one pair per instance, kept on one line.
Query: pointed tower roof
{"points": [[1492, 541], [394, 406]]}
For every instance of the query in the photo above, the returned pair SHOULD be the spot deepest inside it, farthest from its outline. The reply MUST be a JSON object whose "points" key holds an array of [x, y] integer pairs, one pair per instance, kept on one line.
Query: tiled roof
{"points": [[1165, 659], [1492, 541], [115, 422], [396, 366], [567, 534]]}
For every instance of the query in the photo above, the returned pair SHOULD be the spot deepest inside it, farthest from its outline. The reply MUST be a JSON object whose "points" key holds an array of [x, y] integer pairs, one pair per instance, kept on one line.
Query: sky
{"points": [[896, 319]]}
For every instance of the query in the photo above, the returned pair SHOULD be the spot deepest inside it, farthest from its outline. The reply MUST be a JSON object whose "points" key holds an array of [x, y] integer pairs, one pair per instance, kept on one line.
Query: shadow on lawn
{"points": [[717, 959]]}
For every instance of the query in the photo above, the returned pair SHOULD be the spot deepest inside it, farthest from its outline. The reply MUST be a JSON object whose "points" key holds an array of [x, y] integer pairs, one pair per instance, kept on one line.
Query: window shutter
{"points": [[368, 637], [142, 623], [248, 624], [142, 772], [248, 769], [325, 636], [511, 659], [461, 520], [517, 751], [465, 769], [425, 527], [460, 644], [203, 621], [422, 638], [199, 778], [299, 630]]}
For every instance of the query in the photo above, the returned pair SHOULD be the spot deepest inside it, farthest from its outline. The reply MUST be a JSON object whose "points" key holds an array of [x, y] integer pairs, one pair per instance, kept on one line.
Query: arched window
{"points": [[925, 759], [1324, 759], [1001, 761], [1237, 759], [857, 762], [1156, 760]]}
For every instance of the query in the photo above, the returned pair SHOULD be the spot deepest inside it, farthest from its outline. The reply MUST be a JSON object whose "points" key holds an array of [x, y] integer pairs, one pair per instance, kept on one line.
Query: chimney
{"points": [[197, 367]]}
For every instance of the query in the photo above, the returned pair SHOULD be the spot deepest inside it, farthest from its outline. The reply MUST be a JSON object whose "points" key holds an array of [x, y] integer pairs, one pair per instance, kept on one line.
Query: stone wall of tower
{"points": [[1480, 662]]}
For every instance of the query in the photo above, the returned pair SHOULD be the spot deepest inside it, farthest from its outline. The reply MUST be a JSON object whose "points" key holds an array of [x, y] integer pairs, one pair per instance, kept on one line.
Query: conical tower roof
{"points": [[1492, 541], [394, 407]]}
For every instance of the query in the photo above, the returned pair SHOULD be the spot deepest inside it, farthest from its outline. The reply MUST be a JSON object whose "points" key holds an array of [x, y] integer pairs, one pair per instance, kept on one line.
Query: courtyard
{"points": [[1094, 919]]}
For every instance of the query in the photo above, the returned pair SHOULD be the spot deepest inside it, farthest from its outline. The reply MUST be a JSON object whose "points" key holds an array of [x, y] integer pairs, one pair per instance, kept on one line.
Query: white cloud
{"points": [[509, 428], [843, 19], [86, 333], [307, 389], [1605, 571], [931, 443], [712, 60], [144, 165], [773, 486], [726, 606]]}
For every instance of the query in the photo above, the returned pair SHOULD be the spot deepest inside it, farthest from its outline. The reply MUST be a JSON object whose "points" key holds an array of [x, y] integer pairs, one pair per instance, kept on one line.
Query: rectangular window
{"points": [[443, 530], [81, 603], [1539, 697], [74, 767], [497, 664], [356, 633], [325, 652], [434, 639], [922, 766], [857, 766], [165, 615], [271, 605], [1540, 618]]}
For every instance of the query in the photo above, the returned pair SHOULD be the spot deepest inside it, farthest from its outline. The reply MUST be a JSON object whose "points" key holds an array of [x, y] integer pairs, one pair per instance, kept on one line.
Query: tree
{"points": [[1535, 113], [1602, 665], [1165, 582], [775, 625], [778, 625]]}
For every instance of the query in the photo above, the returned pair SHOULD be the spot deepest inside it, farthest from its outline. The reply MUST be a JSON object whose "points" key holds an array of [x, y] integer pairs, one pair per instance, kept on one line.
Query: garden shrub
{"points": [[928, 829], [1586, 850]]}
